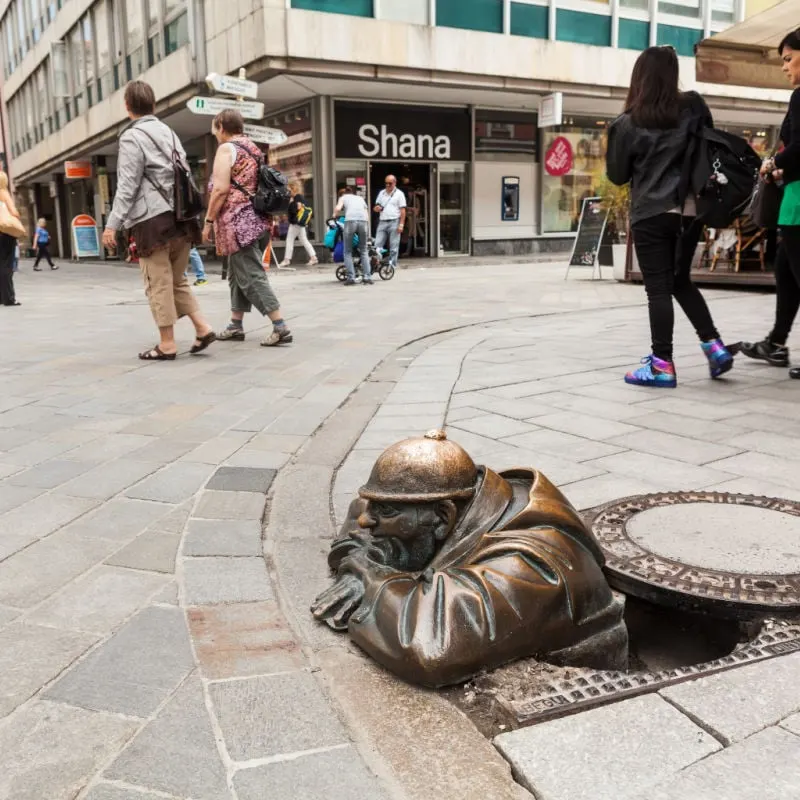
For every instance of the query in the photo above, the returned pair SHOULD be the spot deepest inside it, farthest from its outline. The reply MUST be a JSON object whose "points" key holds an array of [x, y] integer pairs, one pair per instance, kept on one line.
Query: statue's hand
{"points": [[336, 605]]}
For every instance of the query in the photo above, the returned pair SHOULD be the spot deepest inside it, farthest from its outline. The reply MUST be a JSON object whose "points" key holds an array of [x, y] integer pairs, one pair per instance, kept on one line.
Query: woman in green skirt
{"points": [[785, 167]]}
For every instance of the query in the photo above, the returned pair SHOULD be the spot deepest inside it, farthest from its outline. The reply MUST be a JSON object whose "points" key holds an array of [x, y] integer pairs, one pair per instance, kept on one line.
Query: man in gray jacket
{"points": [[144, 206]]}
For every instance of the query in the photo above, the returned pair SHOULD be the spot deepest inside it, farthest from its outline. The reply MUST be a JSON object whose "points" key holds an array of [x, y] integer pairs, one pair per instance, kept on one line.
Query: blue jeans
{"points": [[196, 264], [387, 229], [357, 228]]}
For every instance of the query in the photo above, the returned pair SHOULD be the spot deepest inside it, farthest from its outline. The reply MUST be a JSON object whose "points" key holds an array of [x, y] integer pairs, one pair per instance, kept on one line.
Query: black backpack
{"points": [[721, 169], [187, 202], [272, 193]]}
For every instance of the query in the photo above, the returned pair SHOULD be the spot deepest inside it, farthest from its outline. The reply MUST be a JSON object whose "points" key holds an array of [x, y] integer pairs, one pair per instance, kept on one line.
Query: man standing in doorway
{"points": [[391, 205]]}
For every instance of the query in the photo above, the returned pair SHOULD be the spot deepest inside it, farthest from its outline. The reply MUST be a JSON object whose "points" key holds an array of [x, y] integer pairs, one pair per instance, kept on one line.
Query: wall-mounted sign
{"points": [[103, 188], [510, 210], [551, 110], [78, 170], [85, 241], [401, 132], [505, 132], [559, 158]]}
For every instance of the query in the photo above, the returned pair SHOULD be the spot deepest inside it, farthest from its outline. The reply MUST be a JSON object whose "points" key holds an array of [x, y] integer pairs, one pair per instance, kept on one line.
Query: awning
{"points": [[746, 54]]}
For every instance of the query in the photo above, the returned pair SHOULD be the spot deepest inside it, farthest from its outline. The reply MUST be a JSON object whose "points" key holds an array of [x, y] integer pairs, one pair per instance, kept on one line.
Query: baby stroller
{"points": [[334, 241]]}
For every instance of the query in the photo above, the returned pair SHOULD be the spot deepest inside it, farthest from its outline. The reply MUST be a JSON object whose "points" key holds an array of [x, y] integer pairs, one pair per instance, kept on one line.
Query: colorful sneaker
{"points": [[719, 358], [653, 372], [278, 336], [200, 282]]}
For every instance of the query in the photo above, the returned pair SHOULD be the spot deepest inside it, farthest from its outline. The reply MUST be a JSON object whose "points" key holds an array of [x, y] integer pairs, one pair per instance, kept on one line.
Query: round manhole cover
{"points": [[729, 553]]}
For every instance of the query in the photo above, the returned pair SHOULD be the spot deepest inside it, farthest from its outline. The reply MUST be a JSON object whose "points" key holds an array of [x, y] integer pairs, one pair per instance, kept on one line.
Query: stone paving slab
{"points": [[177, 752], [336, 773], [763, 766], [228, 505], [108, 791], [277, 714], [242, 479], [606, 754], [49, 750], [134, 671], [224, 537], [740, 702], [225, 580], [243, 639], [152, 551], [119, 519]]}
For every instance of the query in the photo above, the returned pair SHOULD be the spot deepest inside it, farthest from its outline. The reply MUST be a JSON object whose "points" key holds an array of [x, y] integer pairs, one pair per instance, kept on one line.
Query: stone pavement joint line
{"points": [[149, 651]]}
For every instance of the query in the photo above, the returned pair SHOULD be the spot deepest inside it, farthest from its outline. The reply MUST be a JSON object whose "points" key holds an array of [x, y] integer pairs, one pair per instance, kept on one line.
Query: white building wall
{"points": [[487, 200]]}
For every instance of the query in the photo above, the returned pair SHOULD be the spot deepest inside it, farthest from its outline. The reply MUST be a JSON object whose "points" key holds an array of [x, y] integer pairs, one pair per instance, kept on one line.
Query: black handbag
{"points": [[765, 204]]}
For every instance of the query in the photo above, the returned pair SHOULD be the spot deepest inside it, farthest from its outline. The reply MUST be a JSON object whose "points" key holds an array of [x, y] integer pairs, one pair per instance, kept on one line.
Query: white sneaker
{"points": [[313, 262], [284, 263]]}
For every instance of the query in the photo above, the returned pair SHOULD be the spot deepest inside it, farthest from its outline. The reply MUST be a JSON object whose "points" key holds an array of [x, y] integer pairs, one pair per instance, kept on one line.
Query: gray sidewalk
{"points": [[155, 636]]}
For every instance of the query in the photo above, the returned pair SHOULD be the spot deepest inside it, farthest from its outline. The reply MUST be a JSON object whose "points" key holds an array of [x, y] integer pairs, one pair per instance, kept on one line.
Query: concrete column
{"points": [[506, 16], [322, 155], [707, 5], [551, 21], [431, 12], [197, 40], [615, 23], [653, 23]]}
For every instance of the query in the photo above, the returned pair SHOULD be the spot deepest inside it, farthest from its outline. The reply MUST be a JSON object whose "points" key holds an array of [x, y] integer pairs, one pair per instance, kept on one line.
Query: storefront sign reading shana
{"points": [[400, 132], [382, 143]]}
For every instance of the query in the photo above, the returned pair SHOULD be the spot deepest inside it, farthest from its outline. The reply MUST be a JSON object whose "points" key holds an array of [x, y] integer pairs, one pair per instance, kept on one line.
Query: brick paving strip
{"points": [[107, 694]]}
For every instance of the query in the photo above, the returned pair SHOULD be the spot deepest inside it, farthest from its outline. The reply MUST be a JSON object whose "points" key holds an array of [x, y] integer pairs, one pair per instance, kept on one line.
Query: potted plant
{"points": [[617, 199]]}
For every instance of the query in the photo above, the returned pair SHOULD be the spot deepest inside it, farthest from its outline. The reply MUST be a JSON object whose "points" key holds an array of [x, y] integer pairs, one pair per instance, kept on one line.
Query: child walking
{"points": [[41, 243]]}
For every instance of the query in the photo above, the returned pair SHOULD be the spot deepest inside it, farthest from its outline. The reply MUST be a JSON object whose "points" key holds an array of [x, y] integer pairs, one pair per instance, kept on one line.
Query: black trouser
{"points": [[7, 296], [787, 283], [43, 252], [665, 259]]}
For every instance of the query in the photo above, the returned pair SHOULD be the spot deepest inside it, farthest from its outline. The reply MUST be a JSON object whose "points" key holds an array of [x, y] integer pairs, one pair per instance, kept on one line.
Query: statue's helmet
{"points": [[422, 470]]}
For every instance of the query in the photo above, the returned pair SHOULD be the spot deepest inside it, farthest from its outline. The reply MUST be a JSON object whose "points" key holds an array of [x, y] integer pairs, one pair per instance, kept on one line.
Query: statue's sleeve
{"points": [[442, 628]]}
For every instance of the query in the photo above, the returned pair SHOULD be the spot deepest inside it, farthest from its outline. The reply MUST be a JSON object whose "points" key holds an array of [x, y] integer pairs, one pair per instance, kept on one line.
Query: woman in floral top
{"points": [[237, 229]]}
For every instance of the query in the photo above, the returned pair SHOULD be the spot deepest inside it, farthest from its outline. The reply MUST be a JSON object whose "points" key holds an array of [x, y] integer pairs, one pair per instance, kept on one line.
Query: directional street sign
{"points": [[213, 105], [265, 135], [238, 87]]}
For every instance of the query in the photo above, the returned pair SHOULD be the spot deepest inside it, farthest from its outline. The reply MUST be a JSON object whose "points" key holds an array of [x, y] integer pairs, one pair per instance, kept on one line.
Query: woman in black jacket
{"points": [[785, 167], [646, 148]]}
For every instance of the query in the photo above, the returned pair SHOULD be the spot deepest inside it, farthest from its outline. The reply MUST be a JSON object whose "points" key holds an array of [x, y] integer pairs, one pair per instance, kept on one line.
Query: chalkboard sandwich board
{"points": [[591, 226]]}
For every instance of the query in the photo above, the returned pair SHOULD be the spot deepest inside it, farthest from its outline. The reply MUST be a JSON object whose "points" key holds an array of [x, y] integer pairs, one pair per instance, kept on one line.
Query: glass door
{"points": [[453, 208]]}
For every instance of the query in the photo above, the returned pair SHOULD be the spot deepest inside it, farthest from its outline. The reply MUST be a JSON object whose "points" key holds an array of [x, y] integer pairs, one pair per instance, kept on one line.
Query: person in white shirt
{"points": [[391, 205], [356, 223]]}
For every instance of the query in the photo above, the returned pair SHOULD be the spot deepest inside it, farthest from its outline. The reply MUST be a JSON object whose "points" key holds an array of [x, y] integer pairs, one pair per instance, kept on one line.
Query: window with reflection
{"points": [[135, 63], [103, 40], [153, 31]]}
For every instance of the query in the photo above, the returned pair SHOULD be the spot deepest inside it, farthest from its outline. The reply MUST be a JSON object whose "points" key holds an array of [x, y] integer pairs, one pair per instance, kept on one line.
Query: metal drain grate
{"points": [[594, 688]]}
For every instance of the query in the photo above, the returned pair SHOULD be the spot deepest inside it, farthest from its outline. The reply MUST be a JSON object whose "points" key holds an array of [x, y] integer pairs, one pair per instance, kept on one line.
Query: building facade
{"points": [[446, 94]]}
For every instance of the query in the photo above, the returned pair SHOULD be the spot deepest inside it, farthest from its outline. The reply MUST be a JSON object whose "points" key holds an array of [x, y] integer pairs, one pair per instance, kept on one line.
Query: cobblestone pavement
{"points": [[154, 634]]}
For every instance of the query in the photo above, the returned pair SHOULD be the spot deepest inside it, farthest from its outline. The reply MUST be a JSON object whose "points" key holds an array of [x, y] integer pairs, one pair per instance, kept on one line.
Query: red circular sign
{"points": [[559, 158]]}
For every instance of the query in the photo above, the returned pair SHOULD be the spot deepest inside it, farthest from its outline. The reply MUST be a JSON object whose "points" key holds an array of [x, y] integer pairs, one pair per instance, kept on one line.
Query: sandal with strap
{"points": [[203, 342], [157, 354]]}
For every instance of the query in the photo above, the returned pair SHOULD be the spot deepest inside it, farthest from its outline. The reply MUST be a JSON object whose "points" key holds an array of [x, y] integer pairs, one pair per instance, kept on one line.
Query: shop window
{"points": [[573, 162], [577, 26], [356, 8], [682, 39], [294, 159], [634, 34], [475, 15], [176, 34], [527, 20], [505, 136], [415, 12], [680, 8]]}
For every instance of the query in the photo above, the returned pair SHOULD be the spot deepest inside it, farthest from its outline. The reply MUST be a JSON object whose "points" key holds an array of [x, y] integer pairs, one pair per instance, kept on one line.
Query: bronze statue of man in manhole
{"points": [[444, 568]]}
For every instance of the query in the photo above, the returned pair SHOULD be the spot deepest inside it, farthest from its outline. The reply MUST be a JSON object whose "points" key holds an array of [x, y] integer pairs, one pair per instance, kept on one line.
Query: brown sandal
{"points": [[157, 354], [203, 343]]}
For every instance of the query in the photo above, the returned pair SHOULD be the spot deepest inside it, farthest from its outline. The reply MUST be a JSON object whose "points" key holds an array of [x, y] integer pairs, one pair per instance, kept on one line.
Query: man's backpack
{"points": [[187, 202], [272, 193], [721, 170]]}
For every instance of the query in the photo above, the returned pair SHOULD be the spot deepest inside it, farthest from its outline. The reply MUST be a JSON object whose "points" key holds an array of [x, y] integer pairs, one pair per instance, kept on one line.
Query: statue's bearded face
{"points": [[405, 535]]}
